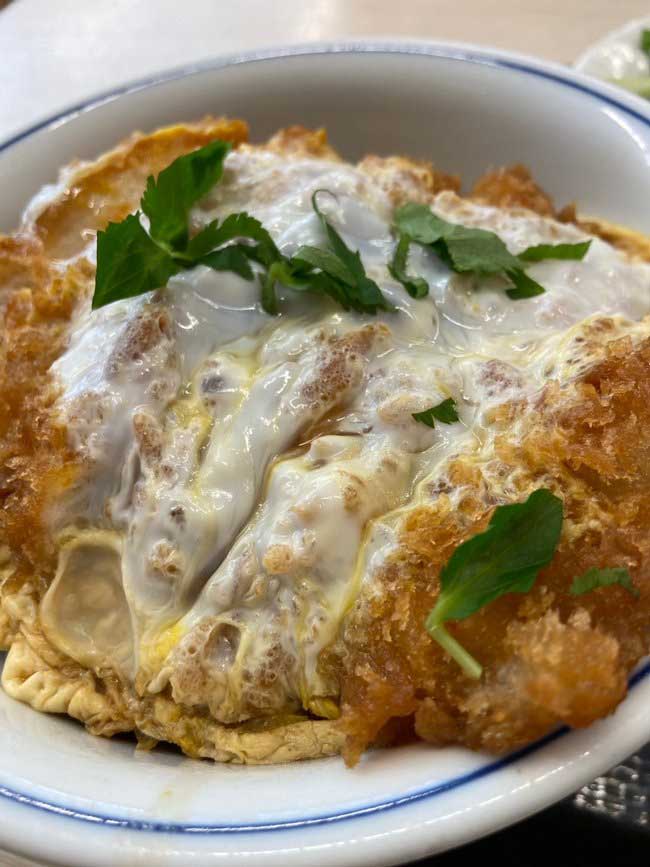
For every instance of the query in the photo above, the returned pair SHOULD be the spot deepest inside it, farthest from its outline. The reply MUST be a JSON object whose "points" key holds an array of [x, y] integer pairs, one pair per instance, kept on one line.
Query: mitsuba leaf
{"points": [[168, 199], [520, 540], [239, 225], [444, 412], [524, 285], [232, 258], [469, 250], [327, 261], [417, 287], [420, 224], [539, 252], [347, 281], [478, 251], [594, 578], [129, 262]]}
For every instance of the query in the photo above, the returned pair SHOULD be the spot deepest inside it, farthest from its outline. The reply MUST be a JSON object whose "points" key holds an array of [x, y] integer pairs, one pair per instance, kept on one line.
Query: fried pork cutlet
{"points": [[225, 528]]}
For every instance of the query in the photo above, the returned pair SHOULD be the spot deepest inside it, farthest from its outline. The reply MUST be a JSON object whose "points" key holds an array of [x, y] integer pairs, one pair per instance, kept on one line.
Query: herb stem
{"points": [[470, 666]]}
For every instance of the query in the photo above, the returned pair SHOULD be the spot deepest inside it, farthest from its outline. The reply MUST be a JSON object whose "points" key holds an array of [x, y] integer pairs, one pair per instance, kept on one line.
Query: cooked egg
{"points": [[264, 461]]}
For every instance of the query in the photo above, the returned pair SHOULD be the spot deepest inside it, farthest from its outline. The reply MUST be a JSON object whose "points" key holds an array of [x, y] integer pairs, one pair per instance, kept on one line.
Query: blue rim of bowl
{"points": [[605, 94], [392, 803], [602, 91]]}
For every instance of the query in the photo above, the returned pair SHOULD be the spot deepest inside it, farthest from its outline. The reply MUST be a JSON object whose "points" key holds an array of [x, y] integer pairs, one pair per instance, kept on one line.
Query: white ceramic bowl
{"points": [[68, 798]]}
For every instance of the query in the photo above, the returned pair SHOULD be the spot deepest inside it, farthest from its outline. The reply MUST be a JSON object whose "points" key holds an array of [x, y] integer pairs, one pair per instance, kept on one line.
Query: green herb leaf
{"points": [[349, 258], [525, 286], [204, 242], [445, 412], [299, 275], [239, 225], [645, 41], [129, 263], [367, 297], [324, 260], [477, 251], [594, 578], [506, 558], [421, 224], [357, 292], [278, 272], [269, 296], [464, 249], [417, 287], [232, 258], [168, 199], [520, 540], [555, 251]]}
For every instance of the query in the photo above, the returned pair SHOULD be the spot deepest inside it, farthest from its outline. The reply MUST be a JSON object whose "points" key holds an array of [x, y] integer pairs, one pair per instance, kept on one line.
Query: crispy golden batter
{"points": [[34, 455], [407, 180], [633, 244], [110, 188], [515, 187], [297, 141], [548, 657]]}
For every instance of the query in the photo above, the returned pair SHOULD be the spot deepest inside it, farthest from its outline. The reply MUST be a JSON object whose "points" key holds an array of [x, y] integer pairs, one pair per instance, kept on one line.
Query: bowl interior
{"points": [[465, 114]]}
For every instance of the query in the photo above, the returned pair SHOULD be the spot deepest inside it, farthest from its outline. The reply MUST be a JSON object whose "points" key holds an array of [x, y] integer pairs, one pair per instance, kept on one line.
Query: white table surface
{"points": [[54, 53]]}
